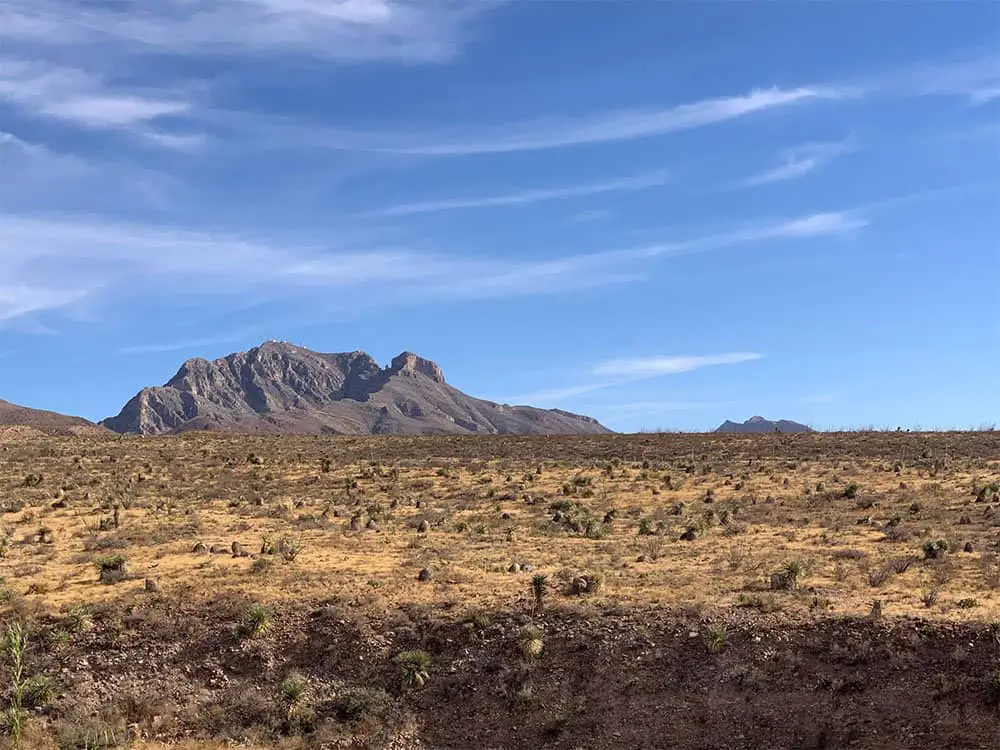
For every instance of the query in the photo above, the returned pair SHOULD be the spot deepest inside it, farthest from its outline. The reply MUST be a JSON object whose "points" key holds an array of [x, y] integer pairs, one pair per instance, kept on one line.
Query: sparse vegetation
{"points": [[627, 531]]}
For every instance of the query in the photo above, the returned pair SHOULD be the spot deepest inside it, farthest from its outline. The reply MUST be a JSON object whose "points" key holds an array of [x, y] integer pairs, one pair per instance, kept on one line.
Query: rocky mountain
{"points": [[279, 387], [759, 424], [46, 421]]}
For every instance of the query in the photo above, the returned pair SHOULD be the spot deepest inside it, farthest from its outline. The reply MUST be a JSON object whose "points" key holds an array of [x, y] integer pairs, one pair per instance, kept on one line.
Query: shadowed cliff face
{"points": [[278, 387]]}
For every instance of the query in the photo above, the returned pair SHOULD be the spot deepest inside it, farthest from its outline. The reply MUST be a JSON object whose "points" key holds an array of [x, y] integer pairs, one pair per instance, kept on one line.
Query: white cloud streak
{"points": [[617, 372], [77, 97], [646, 367], [526, 197], [425, 31], [797, 162], [64, 260], [608, 127]]}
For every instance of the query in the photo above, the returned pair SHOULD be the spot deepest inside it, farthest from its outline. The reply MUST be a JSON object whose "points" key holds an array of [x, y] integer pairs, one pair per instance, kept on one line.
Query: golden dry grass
{"points": [[757, 503]]}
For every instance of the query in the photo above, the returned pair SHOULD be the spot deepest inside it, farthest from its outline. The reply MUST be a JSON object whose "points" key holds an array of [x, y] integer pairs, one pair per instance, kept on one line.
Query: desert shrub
{"points": [[929, 597], [588, 583], [256, 621], [79, 619], [714, 637], [849, 554], [112, 568], [851, 491], [967, 603], [261, 565], [296, 697], [362, 704], [32, 480], [993, 688], [38, 691], [414, 667], [289, 548], [878, 576], [93, 734], [935, 550], [786, 578], [539, 588], [900, 565]]}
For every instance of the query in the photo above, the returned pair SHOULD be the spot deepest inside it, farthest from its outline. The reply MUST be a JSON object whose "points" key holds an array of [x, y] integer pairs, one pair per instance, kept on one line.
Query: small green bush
{"points": [[414, 667]]}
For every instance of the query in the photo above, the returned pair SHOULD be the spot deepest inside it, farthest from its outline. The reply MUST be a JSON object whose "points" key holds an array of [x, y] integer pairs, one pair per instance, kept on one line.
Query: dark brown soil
{"points": [[605, 679]]}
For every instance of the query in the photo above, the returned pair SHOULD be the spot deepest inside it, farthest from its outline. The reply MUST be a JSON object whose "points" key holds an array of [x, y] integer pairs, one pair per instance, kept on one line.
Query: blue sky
{"points": [[663, 214]]}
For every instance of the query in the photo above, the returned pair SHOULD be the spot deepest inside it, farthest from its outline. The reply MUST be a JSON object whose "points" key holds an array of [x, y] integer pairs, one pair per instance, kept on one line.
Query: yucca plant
{"points": [[539, 587], [256, 621], [531, 641], [414, 666], [715, 638]]}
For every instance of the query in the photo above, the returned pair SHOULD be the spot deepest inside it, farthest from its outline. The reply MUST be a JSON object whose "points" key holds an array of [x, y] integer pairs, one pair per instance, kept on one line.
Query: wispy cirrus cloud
{"points": [[75, 96], [426, 31], [797, 162], [976, 78], [608, 127], [186, 344], [649, 367], [65, 260], [617, 372], [526, 197]]}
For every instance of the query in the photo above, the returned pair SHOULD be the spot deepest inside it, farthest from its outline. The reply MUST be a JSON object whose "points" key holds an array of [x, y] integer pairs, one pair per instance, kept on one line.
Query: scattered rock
{"points": [[152, 586], [425, 575]]}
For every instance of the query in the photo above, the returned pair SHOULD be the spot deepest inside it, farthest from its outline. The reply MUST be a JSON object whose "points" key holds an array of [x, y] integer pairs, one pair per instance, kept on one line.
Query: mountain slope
{"points": [[46, 421], [278, 387], [759, 424]]}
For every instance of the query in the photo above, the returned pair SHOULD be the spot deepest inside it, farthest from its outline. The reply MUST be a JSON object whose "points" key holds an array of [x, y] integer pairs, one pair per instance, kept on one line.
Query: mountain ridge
{"points": [[759, 424], [282, 387], [14, 415]]}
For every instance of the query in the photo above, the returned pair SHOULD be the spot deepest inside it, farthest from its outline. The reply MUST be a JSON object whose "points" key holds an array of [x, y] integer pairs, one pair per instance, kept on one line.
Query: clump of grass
{"points": [[414, 667], [79, 619], [929, 597], [715, 638], [38, 691], [256, 621], [296, 697]]}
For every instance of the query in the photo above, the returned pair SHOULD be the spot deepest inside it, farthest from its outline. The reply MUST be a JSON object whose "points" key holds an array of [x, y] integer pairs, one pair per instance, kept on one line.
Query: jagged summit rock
{"points": [[281, 387], [759, 424]]}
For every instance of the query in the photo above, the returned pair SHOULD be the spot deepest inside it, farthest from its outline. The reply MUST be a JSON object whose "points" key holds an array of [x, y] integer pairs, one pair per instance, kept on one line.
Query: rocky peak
{"points": [[409, 363]]}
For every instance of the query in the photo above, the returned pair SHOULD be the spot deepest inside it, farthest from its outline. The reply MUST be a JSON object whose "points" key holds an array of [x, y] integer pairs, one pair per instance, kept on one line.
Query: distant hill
{"points": [[12, 415], [279, 387], [759, 424]]}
